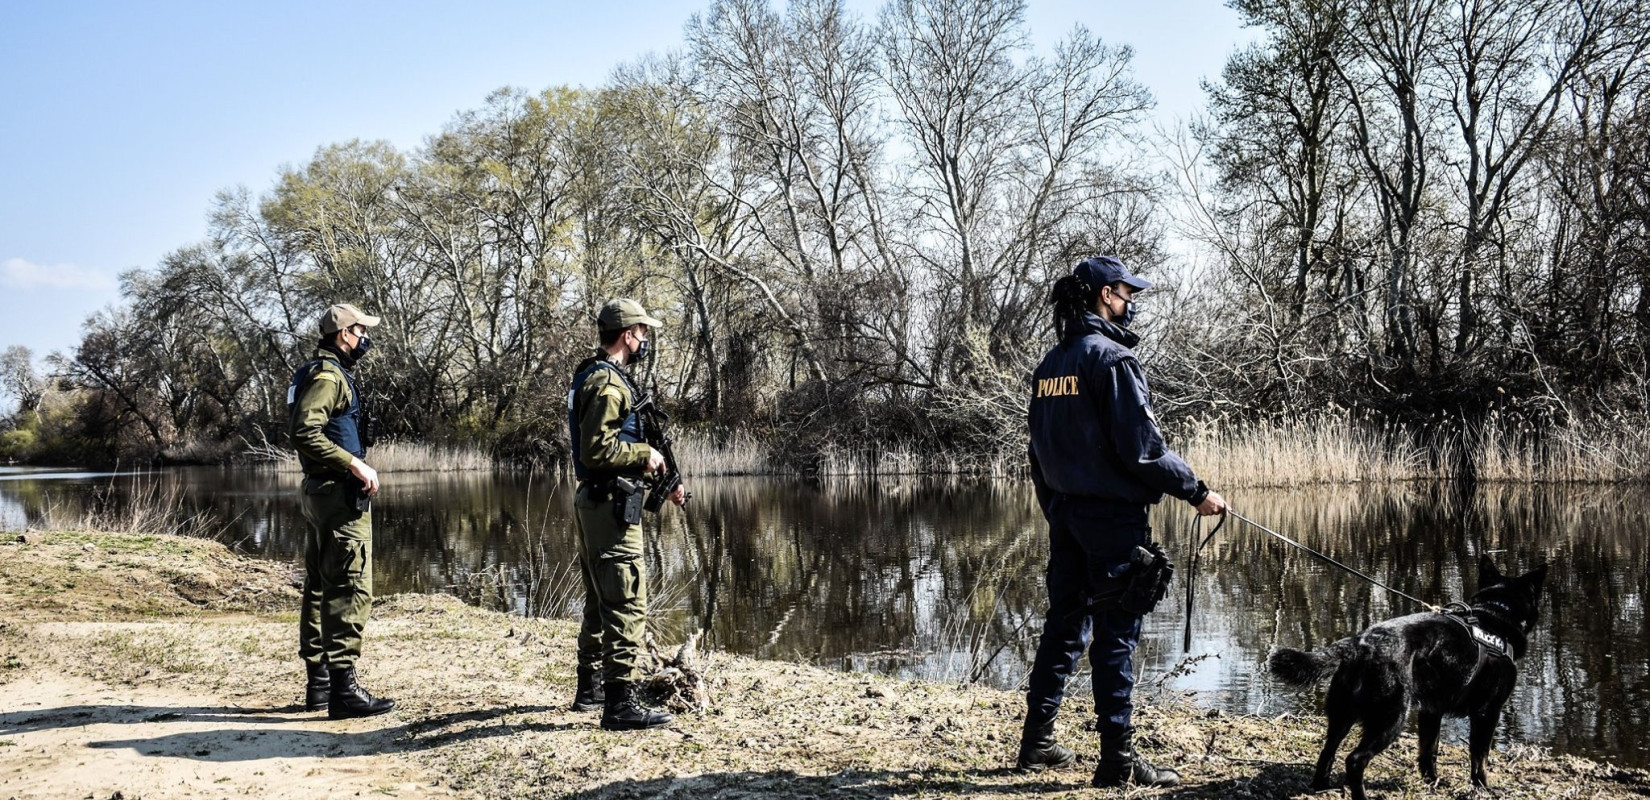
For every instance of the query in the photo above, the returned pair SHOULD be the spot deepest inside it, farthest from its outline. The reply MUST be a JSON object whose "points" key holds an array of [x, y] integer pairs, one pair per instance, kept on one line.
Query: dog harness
{"points": [[1489, 645]]}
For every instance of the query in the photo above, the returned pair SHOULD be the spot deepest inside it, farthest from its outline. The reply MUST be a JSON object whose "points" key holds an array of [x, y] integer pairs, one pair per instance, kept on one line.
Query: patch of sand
{"points": [[68, 736]]}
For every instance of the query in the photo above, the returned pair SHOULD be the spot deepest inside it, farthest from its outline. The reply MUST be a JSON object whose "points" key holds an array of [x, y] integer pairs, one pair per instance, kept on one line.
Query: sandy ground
{"points": [[160, 668], [72, 737]]}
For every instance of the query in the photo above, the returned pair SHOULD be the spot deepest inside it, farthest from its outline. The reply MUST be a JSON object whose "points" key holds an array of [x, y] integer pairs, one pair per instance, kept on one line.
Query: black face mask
{"points": [[362, 345], [1128, 315], [1125, 319], [641, 353]]}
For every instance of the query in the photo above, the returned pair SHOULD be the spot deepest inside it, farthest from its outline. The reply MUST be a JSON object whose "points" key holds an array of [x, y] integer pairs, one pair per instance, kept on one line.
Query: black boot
{"points": [[589, 696], [1119, 764], [1037, 747], [319, 689], [350, 699], [624, 712]]}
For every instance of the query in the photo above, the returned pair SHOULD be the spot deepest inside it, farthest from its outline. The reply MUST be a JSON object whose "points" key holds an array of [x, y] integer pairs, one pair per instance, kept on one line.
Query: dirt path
{"points": [[73, 737]]}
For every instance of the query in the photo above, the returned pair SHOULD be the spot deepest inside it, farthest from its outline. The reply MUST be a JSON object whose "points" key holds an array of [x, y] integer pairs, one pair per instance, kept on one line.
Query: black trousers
{"points": [[1089, 546]]}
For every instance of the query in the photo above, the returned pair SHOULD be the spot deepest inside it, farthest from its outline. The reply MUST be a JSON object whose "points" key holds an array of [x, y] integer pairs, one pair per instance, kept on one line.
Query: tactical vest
{"points": [[630, 432], [343, 430]]}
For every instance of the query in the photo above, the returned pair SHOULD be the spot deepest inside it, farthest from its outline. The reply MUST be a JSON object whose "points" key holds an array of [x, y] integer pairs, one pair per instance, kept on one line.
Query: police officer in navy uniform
{"points": [[1099, 463]]}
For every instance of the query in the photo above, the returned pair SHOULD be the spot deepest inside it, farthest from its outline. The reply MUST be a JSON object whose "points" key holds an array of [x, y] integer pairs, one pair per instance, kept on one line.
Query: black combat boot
{"points": [[1037, 747], [1119, 764], [319, 690], [589, 696], [350, 699], [625, 712]]}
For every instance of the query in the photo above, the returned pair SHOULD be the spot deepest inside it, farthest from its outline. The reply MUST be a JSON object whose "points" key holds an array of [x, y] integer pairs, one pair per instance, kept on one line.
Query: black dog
{"points": [[1457, 663]]}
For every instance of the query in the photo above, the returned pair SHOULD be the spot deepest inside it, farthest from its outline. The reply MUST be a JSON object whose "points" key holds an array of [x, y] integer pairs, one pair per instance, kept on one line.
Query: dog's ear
{"points": [[1534, 579], [1488, 575]]}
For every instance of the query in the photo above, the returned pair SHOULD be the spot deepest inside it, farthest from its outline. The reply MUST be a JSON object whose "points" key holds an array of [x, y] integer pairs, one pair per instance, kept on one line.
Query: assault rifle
{"points": [[656, 433]]}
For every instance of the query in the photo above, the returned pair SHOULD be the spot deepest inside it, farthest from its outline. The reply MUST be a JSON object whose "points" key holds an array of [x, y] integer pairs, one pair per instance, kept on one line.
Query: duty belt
{"points": [[601, 489]]}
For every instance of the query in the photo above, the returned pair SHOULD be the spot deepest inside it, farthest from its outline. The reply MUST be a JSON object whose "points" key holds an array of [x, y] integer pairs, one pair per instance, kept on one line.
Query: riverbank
{"points": [[161, 666], [1229, 453]]}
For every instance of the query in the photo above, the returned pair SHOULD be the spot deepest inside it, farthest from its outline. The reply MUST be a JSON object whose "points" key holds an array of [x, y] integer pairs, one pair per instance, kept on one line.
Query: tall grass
{"points": [[1323, 448], [1326, 448], [900, 459], [538, 587], [701, 452], [1595, 451], [391, 457], [151, 508], [1335, 449]]}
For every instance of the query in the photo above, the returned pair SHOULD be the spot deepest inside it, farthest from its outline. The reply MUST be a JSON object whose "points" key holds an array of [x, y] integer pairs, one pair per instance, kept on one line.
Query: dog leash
{"points": [[1197, 555], [1287, 540], [1191, 574]]}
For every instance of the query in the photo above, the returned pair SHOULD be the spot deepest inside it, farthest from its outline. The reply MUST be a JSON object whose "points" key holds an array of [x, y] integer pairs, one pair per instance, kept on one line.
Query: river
{"points": [[942, 579]]}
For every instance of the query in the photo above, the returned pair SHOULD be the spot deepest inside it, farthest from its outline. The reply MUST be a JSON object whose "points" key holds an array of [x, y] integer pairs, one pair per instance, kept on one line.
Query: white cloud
{"points": [[16, 273]]}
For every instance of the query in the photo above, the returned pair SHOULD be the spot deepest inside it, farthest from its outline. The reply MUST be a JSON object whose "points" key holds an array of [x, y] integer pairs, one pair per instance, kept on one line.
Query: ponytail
{"points": [[1071, 299]]}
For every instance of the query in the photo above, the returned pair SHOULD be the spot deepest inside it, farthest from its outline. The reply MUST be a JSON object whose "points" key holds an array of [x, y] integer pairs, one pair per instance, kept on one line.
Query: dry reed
{"points": [[702, 453], [1317, 449], [852, 462], [1596, 451], [1335, 449], [1313, 450], [152, 508], [391, 457]]}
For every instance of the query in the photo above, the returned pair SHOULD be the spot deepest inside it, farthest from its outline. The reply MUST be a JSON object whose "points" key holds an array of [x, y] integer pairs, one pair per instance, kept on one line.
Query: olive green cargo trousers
{"points": [[615, 590], [337, 574]]}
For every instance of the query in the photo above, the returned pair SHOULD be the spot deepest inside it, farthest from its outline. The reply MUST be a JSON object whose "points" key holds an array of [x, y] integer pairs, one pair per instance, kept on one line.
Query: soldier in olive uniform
{"points": [[610, 458], [327, 431]]}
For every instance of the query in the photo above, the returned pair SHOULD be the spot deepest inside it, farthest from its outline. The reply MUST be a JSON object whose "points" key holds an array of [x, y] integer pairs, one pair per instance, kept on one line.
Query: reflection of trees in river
{"points": [[891, 575], [918, 578]]}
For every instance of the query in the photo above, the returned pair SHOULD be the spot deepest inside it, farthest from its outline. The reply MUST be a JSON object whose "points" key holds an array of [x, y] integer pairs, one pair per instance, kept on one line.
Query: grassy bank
{"points": [[1307, 450], [1318, 449], [391, 457], [171, 661], [1311, 450], [1336, 449]]}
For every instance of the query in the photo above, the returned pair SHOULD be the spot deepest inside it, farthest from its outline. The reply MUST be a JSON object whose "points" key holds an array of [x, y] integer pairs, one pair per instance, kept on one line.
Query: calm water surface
{"points": [[943, 579]]}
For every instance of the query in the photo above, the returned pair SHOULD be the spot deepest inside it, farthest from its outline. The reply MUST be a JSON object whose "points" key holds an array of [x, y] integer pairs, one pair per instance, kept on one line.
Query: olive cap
{"points": [[343, 315], [623, 313]]}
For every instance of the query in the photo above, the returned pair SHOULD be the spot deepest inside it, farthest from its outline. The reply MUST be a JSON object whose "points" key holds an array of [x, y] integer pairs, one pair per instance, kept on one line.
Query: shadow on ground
{"points": [[275, 734], [1269, 781]]}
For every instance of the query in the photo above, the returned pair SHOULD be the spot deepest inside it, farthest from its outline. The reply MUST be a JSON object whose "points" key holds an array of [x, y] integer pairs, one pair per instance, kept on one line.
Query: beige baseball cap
{"points": [[343, 315], [623, 313]]}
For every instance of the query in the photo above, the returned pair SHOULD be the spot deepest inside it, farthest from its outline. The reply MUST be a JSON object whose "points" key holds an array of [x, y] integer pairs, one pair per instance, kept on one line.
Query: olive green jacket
{"points": [[326, 396], [604, 401]]}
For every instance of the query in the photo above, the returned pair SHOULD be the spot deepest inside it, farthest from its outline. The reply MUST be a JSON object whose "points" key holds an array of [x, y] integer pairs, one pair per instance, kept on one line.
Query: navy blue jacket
{"points": [[1092, 429]]}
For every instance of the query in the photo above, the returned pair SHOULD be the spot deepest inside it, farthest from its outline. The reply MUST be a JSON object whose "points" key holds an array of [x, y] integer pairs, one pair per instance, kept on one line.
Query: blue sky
{"points": [[120, 121]]}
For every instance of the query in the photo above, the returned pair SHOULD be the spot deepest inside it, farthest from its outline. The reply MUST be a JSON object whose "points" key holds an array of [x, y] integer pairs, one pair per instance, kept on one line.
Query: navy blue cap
{"points": [[1105, 270]]}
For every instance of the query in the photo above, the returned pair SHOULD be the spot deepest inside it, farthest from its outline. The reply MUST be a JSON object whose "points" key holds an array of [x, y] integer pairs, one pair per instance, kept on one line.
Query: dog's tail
{"points": [[1300, 668]]}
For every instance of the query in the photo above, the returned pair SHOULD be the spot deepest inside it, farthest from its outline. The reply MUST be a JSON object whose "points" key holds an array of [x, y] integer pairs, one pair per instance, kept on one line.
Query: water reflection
{"points": [[943, 579]]}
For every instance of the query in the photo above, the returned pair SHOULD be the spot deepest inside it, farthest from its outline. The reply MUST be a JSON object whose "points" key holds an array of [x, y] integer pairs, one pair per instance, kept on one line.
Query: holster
{"points": [[355, 494], [628, 496], [1147, 579]]}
